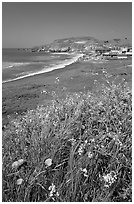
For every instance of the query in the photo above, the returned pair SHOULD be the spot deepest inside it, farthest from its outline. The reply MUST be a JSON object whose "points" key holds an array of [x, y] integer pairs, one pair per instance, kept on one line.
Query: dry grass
{"points": [[86, 136]]}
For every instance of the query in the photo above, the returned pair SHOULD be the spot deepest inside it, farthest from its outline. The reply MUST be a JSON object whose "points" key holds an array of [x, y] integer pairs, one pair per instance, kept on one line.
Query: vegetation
{"points": [[76, 149]]}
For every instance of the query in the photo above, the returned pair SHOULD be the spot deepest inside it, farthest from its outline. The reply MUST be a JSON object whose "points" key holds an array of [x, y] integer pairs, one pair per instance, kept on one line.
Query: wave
{"points": [[60, 53], [7, 65], [53, 67]]}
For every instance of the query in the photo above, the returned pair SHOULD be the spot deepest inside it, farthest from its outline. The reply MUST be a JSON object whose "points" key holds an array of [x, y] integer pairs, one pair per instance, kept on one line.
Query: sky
{"points": [[29, 24]]}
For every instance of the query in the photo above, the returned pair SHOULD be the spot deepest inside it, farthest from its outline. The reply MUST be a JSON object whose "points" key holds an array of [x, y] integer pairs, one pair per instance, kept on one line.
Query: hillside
{"points": [[81, 44]]}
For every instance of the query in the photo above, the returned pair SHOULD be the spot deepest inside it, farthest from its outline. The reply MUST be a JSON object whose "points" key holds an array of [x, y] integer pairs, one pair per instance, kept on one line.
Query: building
{"points": [[101, 50]]}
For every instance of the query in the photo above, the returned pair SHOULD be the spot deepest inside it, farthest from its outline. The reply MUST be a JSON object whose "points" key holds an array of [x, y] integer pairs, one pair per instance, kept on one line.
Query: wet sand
{"points": [[21, 95]]}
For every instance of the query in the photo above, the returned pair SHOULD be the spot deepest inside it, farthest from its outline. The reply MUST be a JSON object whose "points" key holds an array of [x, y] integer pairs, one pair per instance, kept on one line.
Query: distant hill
{"points": [[80, 44]]}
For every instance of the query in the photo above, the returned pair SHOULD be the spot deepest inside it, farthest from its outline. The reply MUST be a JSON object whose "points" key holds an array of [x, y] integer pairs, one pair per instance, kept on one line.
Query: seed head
{"points": [[18, 163], [19, 181], [48, 162]]}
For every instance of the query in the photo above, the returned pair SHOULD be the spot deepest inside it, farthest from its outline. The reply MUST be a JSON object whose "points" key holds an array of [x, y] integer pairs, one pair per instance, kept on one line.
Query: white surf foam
{"points": [[54, 67], [7, 65]]}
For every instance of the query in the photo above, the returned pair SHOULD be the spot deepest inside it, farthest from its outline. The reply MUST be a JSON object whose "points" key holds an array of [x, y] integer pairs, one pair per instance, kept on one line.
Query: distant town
{"points": [[109, 53]]}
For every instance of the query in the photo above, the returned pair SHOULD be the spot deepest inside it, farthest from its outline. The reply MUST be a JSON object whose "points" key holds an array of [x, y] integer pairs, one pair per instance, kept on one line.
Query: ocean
{"points": [[19, 64]]}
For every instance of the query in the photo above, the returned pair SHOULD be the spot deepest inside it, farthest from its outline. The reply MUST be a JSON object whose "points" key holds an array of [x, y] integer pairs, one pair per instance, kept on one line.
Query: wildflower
{"points": [[104, 71], [84, 171], [17, 164], [48, 162], [57, 193], [109, 179], [90, 155], [81, 149], [86, 141], [19, 181], [44, 91], [52, 190], [57, 80], [72, 140], [92, 140]]}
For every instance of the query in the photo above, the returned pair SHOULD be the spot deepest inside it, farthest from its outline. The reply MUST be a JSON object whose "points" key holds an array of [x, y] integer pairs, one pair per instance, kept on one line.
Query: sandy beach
{"points": [[67, 62]]}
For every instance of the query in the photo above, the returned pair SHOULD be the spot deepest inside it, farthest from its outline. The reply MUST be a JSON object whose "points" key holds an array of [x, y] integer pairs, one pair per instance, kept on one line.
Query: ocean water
{"points": [[19, 64]]}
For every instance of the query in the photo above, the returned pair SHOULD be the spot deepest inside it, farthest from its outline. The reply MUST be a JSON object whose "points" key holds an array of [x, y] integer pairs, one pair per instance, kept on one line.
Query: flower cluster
{"points": [[84, 171], [52, 190], [109, 179], [81, 148]]}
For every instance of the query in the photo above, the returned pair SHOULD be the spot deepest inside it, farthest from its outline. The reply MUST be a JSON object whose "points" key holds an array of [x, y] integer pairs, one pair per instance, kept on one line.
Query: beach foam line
{"points": [[61, 53], [54, 67], [7, 65]]}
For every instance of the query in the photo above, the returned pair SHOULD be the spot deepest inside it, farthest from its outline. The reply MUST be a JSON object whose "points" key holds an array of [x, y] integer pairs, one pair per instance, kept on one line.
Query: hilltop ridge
{"points": [[81, 44]]}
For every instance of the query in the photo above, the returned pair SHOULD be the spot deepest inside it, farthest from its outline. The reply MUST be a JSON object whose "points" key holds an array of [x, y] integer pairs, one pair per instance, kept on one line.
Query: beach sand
{"points": [[24, 94]]}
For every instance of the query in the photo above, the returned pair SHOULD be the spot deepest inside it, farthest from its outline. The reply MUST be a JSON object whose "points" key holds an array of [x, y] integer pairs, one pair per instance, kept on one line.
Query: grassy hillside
{"points": [[76, 149]]}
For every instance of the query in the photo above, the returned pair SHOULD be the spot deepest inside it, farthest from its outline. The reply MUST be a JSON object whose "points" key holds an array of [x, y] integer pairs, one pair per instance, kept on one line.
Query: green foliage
{"points": [[88, 138]]}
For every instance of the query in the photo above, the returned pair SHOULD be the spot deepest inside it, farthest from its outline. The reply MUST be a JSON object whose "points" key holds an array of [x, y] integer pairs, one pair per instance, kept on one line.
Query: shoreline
{"points": [[55, 67]]}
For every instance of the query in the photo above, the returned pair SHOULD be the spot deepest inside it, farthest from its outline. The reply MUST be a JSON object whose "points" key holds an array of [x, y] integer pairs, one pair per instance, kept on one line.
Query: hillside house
{"points": [[101, 50], [124, 49]]}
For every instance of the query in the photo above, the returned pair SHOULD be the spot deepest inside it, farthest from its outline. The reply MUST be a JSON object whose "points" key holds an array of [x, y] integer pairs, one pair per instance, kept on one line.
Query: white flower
{"points": [[52, 190], [86, 141], [84, 171], [44, 91], [109, 179], [18, 163], [57, 193], [73, 141], [48, 162], [92, 140], [90, 155], [19, 181], [15, 165], [81, 149]]}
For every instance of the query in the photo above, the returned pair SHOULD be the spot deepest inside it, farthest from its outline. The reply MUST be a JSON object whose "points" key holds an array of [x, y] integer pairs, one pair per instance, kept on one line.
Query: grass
{"points": [[87, 138]]}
